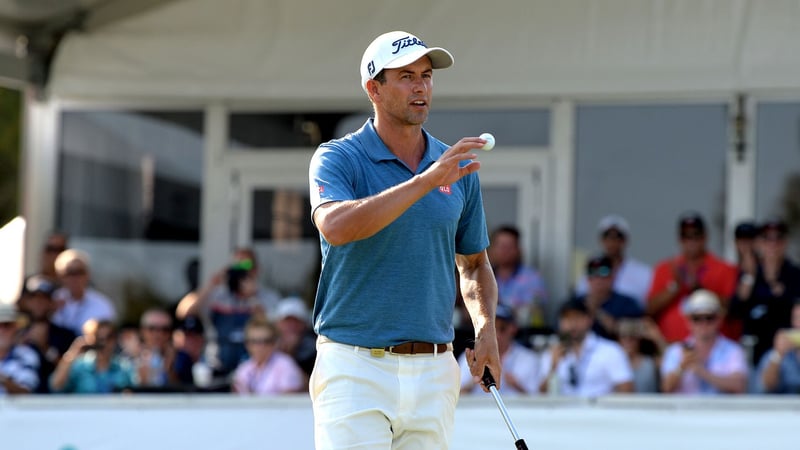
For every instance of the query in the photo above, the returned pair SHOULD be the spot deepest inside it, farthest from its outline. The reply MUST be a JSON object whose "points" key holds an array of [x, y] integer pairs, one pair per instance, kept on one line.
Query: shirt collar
{"points": [[378, 151]]}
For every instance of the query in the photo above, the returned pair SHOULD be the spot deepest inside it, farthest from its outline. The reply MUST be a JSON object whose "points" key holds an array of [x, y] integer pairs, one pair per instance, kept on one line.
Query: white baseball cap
{"points": [[292, 307], [397, 49], [701, 301], [613, 221]]}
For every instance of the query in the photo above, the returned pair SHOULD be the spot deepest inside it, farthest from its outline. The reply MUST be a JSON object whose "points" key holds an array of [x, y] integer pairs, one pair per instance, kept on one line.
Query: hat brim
{"points": [[440, 58]]}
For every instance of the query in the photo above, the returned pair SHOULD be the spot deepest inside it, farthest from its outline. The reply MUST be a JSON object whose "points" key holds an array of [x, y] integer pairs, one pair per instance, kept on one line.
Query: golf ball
{"points": [[489, 141]]}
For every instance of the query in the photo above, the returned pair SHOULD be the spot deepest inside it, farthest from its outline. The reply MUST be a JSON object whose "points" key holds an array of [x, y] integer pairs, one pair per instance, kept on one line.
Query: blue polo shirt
{"points": [[398, 285]]}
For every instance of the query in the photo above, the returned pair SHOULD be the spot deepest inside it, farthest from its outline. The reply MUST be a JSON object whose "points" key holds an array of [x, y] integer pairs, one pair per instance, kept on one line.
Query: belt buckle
{"points": [[377, 352]]}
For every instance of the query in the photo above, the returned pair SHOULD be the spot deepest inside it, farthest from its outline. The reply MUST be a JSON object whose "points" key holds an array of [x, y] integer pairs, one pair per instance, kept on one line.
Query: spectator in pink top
{"points": [[706, 362], [267, 371]]}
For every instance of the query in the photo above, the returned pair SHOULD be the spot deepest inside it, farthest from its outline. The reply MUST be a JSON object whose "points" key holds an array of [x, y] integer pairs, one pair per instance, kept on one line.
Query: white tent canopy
{"points": [[297, 51]]}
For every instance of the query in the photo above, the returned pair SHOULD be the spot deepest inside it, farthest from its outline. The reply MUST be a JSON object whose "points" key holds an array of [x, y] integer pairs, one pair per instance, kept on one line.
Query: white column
{"points": [[39, 165], [215, 232], [558, 244], [741, 176]]}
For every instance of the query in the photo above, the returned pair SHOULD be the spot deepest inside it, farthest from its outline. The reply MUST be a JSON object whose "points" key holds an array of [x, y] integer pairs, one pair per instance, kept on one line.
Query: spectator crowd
{"points": [[692, 324]]}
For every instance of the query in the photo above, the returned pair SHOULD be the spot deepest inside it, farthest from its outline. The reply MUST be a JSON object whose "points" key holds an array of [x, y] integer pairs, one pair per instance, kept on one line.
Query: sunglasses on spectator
{"points": [[54, 248], [703, 318], [614, 235], [7, 325], [162, 328], [261, 341], [692, 236]]}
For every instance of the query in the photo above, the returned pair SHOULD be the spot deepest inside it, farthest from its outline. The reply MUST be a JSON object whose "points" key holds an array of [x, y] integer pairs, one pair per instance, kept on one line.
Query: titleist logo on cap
{"points": [[399, 44], [404, 42]]}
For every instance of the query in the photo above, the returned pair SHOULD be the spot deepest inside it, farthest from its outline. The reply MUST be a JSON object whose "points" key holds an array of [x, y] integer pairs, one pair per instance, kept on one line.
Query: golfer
{"points": [[397, 211]]}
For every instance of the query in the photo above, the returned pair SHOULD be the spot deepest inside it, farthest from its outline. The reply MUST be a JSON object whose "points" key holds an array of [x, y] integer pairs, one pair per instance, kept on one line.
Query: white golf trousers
{"points": [[366, 401]]}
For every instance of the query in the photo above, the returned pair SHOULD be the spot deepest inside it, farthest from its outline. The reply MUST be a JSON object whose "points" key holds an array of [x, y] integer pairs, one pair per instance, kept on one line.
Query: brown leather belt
{"points": [[412, 348], [406, 348]]}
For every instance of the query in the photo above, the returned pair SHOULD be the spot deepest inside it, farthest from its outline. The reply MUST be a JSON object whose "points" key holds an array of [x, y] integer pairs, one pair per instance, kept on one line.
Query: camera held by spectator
{"points": [[238, 275]]}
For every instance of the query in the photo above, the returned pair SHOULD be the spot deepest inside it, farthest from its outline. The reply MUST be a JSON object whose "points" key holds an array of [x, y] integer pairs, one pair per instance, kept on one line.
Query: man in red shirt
{"points": [[677, 277]]}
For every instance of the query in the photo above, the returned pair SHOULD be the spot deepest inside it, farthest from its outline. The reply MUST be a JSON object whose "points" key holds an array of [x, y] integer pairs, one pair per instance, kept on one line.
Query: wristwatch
{"points": [[747, 279], [775, 357]]}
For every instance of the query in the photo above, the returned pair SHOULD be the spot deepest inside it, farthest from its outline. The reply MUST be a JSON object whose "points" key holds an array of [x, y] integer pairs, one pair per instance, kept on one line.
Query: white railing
{"points": [[219, 422]]}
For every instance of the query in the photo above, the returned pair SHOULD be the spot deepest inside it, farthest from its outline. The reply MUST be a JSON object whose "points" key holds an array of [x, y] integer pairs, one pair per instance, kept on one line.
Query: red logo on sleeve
{"points": [[321, 188], [445, 189]]}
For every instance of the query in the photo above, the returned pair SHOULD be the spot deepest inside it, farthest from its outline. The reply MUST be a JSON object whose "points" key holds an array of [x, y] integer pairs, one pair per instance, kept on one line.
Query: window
{"points": [[131, 175]]}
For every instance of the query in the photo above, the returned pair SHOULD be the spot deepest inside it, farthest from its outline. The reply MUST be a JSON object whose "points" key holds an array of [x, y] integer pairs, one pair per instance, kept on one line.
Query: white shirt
{"points": [[520, 361], [633, 278], [75, 312], [601, 365]]}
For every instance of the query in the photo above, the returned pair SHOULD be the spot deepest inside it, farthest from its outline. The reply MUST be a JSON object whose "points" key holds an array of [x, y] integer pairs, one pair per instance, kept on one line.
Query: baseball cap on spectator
{"points": [[292, 307], [38, 284], [701, 301], [613, 222], [574, 304], [504, 312], [691, 223], [191, 324], [745, 230], [397, 49], [599, 266], [8, 313], [774, 226]]}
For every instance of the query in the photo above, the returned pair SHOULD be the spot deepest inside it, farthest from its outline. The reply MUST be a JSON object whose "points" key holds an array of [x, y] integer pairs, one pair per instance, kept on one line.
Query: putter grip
{"points": [[487, 378]]}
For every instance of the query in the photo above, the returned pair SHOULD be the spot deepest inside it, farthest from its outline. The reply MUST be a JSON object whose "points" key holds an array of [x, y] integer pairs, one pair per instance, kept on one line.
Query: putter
{"points": [[488, 380]]}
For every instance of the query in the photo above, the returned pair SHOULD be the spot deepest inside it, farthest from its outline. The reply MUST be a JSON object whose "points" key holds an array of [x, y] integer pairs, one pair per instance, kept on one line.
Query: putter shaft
{"points": [[502, 407], [488, 380]]}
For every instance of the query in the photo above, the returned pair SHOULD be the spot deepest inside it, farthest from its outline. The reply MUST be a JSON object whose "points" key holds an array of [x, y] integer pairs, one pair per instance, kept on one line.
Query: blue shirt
{"points": [[788, 377], [525, 287], [617, 306], [398, 285], [84, 378]]}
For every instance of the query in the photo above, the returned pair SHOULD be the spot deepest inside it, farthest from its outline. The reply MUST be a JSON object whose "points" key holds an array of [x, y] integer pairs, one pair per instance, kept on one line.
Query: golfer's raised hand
{"points": [[448, 168]]}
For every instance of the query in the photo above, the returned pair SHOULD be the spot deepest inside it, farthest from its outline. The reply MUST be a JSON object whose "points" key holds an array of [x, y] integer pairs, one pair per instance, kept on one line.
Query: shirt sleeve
{"points": [[472, 236], [25, 371], [759, 381], [620, 368], [527, 371], [737, 360], [330, 177], [729, 280], [672, 359], [661, 277]]}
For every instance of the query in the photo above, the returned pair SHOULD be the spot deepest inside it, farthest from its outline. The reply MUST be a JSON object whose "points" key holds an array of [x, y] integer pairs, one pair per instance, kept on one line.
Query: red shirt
{"points": [[714, 274]]}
